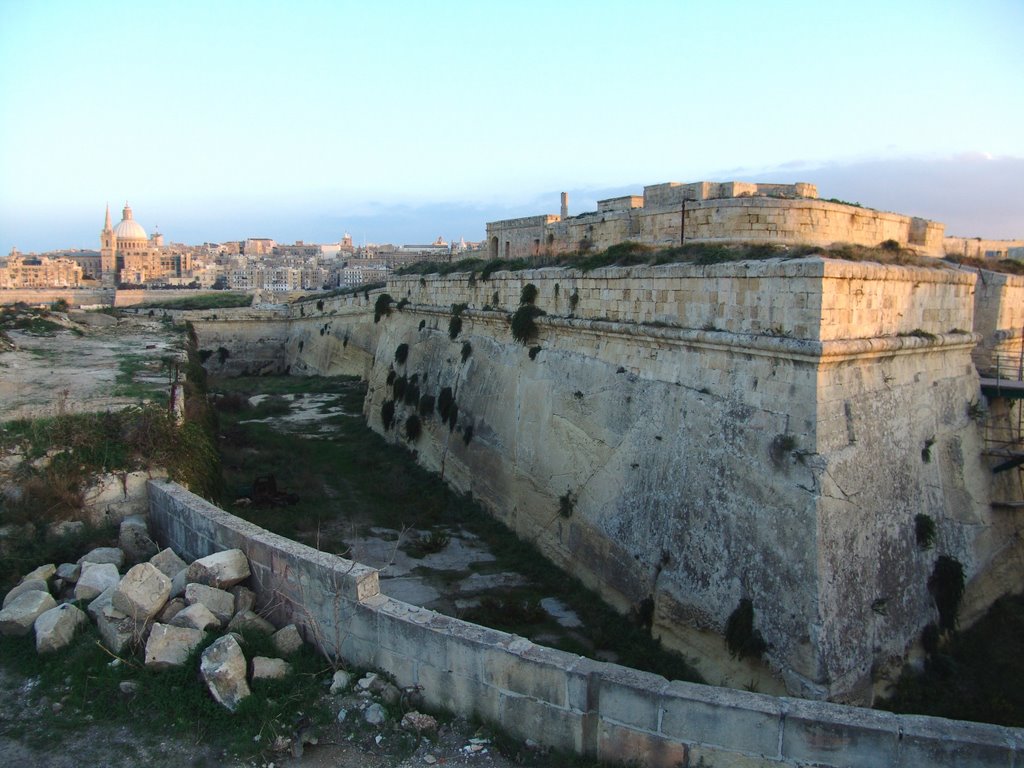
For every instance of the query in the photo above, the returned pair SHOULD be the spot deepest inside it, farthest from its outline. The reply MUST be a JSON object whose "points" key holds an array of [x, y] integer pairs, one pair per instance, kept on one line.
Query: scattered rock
{"points": [[133, 538], [417, 721], [42, 573], [342, 680], [287, 641], [222, 570], [101, 555], [55, 629], [390, 695], [265, 668], [170, 646], [196, 616], [69, 572], [95, 579], [429, 759], [168, 562], [128, 687], [178, 583], [172, 609], [220, 603], [375, 714], [20, 614], [26, 585], [251, 621], [117, 631], [245, 599], [142, 593], [223, 669], [371, 681]]}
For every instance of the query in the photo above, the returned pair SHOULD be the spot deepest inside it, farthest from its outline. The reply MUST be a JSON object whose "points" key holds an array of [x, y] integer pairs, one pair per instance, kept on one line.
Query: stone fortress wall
{"points": [[558, 699], [672, 213]]}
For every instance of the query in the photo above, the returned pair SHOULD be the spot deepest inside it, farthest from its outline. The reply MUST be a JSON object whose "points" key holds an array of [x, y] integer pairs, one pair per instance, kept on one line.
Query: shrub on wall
{"points": [[529, 294], [467, 350], [426, 406], [382, 307], [413, 427], [741, 638], [947, 587], [401, 353], [387, 414], [924, 531], [444, 403], [524, 329]]}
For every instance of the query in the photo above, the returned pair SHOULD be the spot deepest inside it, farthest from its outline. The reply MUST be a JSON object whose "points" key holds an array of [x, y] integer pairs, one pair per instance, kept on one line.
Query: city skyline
{"points": [[399, 123]]}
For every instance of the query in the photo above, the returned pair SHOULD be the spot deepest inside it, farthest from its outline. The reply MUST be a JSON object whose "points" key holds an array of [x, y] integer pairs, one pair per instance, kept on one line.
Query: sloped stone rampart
{"points": [[554, 697]]}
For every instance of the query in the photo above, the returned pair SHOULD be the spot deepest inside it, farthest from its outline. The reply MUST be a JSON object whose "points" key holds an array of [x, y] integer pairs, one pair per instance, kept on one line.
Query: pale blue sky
{"points": [[404, 120]]}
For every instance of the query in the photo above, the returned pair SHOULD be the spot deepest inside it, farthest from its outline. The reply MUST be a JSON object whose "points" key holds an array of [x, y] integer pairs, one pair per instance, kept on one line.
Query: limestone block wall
{"points": [[75, 297], [808, 221], [564, 701], [999, 319], [813, 298]]}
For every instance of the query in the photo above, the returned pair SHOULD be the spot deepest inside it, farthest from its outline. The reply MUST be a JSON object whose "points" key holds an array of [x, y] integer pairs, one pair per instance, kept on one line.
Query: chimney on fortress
{"points": [[565, 205]]}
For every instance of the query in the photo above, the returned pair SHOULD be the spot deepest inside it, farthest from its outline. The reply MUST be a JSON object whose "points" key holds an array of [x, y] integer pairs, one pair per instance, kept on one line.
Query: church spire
{"points": [[106, 221]]}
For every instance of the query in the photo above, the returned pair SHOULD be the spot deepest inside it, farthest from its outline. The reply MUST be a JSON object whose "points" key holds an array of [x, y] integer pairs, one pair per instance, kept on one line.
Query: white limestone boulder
{"points": [[170, 646], [223, 669], [222, 570], [56, 628], [17, 618], [287, 640], [69, 572], [142, 593], [196, 616], [179, 582], [168, 562], [26, 585], [251, 621], [117, 631], [43, 573], [220, 603], [266, 668], [100, 555], [173, 608], [133, 537], [95, 579], [245, 599]]}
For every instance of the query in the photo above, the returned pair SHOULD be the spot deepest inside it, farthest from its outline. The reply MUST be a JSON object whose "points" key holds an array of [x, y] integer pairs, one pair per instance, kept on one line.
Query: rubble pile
{"points": [[156, 607]]}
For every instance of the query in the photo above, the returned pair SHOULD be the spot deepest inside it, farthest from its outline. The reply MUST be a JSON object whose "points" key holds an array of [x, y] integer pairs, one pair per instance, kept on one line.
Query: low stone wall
{"points": [[999, 318], [75, 297], [565, 701]]}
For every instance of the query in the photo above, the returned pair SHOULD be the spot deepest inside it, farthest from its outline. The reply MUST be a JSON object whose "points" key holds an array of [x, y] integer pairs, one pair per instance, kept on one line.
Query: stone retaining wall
{"points": [[565, 701]]}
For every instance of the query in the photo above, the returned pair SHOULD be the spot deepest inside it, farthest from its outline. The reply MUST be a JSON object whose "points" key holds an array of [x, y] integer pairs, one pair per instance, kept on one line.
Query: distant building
{"points": [[129, 255], [39, 272]]}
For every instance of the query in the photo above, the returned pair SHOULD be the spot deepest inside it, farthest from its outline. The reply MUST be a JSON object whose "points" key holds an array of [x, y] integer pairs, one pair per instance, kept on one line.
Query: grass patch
{"points": [[213, 300]]}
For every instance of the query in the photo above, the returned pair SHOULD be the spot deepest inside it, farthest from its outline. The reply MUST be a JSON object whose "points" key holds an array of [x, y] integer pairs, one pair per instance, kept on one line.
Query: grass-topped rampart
{"points": [[214, 300]]}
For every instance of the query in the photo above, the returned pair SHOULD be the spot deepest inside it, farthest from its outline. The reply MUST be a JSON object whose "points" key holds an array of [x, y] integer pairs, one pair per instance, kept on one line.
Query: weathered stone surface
{"points": [[69, 572], [220, 603], [245, 599], [133, 538], [265, 668], [168, 562], [170, 646], [172, 609], [179, 582], [100, 555], [18, 617], [142, 593], [196, 616], [43, 573], [114, 496], [375, 714], [55, 629], [287, 640], [223, 670], [26, 585], [117, 631], [222, 570], [95, 579], [249, 620]]}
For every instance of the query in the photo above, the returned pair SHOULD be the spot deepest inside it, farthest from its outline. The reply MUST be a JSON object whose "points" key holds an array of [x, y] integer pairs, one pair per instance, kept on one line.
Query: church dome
{"points": [[129, 228]]}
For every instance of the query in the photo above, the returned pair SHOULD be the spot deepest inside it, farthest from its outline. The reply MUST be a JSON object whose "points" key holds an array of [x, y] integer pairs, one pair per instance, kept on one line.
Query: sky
{"points": [[402, 121]]}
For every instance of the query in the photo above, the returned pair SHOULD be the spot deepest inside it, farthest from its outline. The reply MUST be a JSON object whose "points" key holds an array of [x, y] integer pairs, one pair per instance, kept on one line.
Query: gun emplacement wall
{"points": [[695, 436]]}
